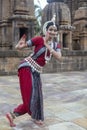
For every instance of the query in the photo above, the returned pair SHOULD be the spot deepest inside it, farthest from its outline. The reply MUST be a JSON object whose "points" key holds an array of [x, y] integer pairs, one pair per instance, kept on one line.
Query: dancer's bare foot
{"points": [[38, 122], [10, 118]]}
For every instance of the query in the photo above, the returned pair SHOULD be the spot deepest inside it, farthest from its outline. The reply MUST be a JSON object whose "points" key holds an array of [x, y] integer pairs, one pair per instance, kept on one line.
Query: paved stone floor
{"points": [[65, 102]]}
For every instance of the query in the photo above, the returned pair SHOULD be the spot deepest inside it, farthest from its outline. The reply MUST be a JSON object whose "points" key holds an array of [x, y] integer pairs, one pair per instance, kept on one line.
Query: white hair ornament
{"points": [[46, 23]]}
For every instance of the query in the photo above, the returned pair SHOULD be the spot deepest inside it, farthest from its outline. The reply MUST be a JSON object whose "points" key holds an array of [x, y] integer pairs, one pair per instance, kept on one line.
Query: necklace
{"points": [[48, 57]]}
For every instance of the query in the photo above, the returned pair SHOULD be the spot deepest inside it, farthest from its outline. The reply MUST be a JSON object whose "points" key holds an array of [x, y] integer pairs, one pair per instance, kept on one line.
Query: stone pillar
{"points": [[70, 40], [83, 39], [80, 20], [61, 39]]}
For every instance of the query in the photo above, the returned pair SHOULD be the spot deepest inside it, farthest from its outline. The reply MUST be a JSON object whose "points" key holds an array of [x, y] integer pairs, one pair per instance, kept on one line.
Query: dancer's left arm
{"points": [[56, 54]]}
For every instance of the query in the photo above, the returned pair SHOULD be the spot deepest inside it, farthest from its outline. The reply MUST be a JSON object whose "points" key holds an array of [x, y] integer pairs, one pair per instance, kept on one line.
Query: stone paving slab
{"points": [[81, 122], [65, 126], [65, 102]]}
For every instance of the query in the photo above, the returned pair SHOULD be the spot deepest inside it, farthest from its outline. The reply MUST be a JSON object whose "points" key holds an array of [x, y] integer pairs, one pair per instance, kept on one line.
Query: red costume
{"points": [[30, 82]]}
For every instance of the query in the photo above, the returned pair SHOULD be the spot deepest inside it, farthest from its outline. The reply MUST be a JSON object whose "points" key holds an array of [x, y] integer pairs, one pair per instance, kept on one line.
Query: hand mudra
{"points": [[21, 42]]}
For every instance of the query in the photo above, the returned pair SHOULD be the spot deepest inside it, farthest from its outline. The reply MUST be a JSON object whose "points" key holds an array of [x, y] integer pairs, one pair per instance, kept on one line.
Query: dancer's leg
{"points": [[25, 81]]}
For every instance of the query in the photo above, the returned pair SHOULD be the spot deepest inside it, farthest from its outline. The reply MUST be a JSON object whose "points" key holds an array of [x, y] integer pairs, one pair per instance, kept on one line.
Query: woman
{"points": [[29, 73]]}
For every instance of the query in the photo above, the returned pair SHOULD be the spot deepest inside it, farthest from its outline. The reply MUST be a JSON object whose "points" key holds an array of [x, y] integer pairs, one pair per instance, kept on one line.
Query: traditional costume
{"points": [[29, 77]]}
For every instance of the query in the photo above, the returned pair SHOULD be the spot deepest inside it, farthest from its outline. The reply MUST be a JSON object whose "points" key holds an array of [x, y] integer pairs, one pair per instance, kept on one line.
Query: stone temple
{"points": [[17, 17], [71, 16]]}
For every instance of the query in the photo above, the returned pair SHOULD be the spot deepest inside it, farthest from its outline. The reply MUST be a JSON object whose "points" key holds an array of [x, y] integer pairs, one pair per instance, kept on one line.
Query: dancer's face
{"points": [[52, 31]]}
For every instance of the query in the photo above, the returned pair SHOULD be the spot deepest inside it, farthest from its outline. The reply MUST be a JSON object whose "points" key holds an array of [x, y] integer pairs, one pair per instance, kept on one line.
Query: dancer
{"points": [[29, 73]]}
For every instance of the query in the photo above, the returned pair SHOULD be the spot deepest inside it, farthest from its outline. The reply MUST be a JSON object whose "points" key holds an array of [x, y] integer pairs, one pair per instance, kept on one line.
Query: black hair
{"points": [[51, 24]]}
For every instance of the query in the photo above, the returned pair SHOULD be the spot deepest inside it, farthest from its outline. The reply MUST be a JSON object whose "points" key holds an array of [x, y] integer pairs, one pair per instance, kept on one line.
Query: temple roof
{"points": [[61, 10], [50, 1]]}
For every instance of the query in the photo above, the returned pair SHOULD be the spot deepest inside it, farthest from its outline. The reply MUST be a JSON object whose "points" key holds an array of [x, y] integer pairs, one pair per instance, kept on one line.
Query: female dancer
{"points": [[29, 73]]}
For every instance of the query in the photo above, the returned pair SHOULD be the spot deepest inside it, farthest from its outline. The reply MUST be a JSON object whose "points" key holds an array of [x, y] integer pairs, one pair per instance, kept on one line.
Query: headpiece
{"points": [[49, 23]]}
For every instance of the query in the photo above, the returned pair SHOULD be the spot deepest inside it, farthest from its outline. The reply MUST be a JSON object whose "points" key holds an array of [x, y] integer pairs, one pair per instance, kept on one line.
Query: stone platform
{"points": [[65, 102]]}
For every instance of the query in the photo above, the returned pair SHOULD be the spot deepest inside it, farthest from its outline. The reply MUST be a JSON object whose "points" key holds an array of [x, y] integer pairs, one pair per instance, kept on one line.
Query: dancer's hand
{"points": [[22, 43]]}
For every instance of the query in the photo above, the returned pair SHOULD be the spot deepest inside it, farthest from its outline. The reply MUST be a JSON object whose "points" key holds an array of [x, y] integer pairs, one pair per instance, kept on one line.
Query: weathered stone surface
{"points": [[81, 121], [65, 102]]}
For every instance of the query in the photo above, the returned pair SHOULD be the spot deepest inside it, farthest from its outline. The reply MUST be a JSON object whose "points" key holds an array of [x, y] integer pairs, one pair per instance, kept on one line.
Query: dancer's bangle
{"points": [[51, 51]]}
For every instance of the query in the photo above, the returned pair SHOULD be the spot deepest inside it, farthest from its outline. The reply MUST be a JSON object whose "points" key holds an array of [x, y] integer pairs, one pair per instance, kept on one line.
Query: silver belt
{"points": [[33, 64]]}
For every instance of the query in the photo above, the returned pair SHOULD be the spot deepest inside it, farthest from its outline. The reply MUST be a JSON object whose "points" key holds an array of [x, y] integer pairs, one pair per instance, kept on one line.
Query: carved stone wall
{"points": [[74, 5], [72, 61], [16, 18], [80, 34]]}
